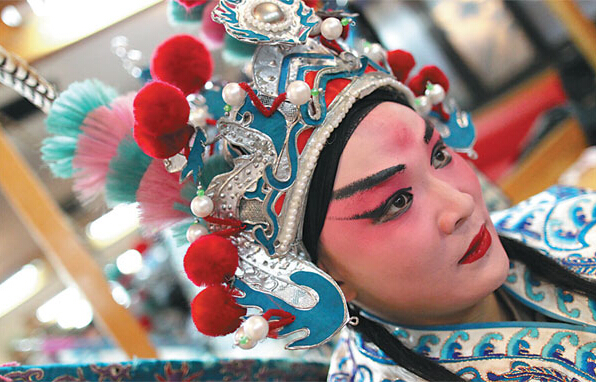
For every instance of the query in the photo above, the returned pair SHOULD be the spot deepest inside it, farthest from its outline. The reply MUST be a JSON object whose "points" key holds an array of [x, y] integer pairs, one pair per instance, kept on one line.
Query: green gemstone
{"points": [[345, 21], [227, 108], [429, 86], [314, 92], [200, 192], [243, 340], [367, 44], [417, 102]]}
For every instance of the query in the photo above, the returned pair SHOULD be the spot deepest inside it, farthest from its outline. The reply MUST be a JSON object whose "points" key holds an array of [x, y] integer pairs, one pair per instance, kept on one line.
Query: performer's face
{"points": [[407, 234]]}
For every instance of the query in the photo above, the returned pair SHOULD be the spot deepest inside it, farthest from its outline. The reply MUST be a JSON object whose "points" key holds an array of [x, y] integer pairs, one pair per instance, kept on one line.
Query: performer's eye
{"points": [[440, 156], [396, 205]]}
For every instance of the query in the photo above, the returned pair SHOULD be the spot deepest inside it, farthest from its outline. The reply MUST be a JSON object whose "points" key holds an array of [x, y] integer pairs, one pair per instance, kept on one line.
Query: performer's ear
{"points": [[348, 290]]}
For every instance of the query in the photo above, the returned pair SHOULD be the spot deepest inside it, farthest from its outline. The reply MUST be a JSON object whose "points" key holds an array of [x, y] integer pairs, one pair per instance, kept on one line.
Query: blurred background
{"points": [[523, 68]]}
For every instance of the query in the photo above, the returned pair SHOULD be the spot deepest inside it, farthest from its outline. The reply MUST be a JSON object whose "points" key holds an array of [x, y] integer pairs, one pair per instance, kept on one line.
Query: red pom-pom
{"points": [[188, 4], [401, 63], [161, 115], [215, 312], [163, 146], [430, 74], [210, 259], [182, 61]]}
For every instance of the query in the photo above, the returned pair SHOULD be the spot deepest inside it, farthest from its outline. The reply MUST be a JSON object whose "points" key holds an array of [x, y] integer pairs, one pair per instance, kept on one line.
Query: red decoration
{"points": [[430, 74], [401, 63], [188, 4], [267, 112], [285, 318], [236, 225], [314, 4], [161, 115], [215, 311], [334, 86], [332, 44], [210, 260], [280, 203], [184, 62], [303, 138]]}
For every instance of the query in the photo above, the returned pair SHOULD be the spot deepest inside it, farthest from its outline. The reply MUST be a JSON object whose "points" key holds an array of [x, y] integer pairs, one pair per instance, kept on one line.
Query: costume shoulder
{"points": [[559, 223], [357, 360]]}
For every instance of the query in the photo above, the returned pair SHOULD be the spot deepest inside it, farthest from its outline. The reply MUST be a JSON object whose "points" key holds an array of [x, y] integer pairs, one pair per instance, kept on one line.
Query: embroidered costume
{"points": [[560, 223]]}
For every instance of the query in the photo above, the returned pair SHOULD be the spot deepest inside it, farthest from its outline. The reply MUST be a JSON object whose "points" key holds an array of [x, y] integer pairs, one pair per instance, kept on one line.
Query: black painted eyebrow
{"points": [[368, 182], [428, 131]]}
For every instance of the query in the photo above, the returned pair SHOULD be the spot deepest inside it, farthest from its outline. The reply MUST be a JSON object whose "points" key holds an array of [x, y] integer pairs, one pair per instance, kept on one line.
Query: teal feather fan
{"points": [[58, 153], [125, 174], [65, 120], [72, 106], [178, 232]]}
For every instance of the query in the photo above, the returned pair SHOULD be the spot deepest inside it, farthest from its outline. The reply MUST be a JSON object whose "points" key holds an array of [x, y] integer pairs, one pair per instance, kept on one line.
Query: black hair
{"points": [[314, 219], [548, 268]]}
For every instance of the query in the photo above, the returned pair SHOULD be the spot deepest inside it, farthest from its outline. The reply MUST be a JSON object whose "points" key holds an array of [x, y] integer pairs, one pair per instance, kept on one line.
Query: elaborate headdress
{"points": [[251, 169]]}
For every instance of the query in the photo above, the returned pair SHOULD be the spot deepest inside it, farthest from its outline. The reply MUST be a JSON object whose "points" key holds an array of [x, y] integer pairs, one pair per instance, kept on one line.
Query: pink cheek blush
{"points": [[464, 171]]}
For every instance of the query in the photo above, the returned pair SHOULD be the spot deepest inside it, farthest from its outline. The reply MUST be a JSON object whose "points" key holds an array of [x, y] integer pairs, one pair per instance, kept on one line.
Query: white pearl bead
{"points": [[195, 231], [375, 52], [331, 28], [256, 328], [436, 94], [233, 94], [198, 117], [422, 105], [268, 12], [201, 206], [242, 340], [248, 344], [298, 92]]}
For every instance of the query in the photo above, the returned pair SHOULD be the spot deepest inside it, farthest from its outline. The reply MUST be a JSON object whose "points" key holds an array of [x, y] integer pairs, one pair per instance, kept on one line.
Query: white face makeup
{"points": [[407, 233]]}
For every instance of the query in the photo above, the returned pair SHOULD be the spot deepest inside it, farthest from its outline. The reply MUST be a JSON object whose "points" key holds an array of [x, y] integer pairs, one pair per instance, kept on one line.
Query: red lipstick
{"points": [[478, 246]]}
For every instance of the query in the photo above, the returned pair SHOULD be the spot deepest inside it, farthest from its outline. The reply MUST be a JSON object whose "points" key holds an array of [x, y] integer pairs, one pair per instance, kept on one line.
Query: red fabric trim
{"points": [[401, 63], [275, 325], [236, 226], [267, 112], [331, 44], [438, 108], [345, 31], [230, 231], [430, 74], [220, 221]]}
